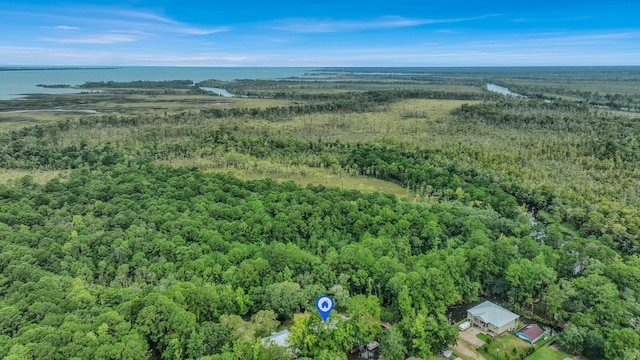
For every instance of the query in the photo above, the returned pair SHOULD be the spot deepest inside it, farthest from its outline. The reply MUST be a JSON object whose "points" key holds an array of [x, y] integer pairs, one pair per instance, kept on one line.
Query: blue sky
{"points": [[320, 33]]}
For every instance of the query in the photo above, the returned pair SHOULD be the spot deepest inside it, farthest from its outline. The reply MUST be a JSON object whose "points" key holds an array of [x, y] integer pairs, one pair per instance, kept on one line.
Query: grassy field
{"points": [[504, 344], [548, 353]]}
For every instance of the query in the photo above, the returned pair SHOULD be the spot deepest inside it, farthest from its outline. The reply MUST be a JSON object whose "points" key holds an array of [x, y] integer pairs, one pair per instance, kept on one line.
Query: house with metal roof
{"points": [[281, 338], [530, 333], [492, 319]]}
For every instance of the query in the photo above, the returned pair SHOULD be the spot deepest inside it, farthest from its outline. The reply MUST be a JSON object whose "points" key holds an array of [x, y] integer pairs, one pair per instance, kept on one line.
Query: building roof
{"points": [[493, 314], [530, 333], [281, 338]]}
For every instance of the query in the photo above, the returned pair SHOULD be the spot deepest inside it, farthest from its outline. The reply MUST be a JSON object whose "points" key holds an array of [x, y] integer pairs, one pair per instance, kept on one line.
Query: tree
{"points": [[364, 312], [393, 345], [301, 337], [254, 350], [593, 344], [554, 299], [264, 322], [239, 329], [340, 296], [571, 339], [10, 320], [166, 325], [284, 298], [18, 352], [431, 334], [310, 335], [528, 279], [620, 342], [420, 336]]}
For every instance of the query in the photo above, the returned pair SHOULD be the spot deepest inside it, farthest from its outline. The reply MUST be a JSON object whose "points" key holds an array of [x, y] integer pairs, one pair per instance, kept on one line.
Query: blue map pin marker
{"points": [[324, 304]]}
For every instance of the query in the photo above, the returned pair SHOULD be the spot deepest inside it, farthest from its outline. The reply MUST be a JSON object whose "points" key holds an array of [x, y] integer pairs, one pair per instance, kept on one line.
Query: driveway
{"points": [[467, 344], [469, 336], [466, 349]]}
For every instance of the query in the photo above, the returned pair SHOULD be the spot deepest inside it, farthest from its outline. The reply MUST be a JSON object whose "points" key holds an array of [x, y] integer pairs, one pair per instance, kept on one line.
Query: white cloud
{"points": [[140, 15], [95, 39], [201, 31], [66, 28], [332, 25], [550, 20], [157, 22], [102, 19]]}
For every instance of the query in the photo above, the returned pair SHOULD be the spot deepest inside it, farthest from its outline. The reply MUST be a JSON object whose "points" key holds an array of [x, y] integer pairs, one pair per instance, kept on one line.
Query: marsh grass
{"points": [[302, 175], [8, 176], [110, 104]]}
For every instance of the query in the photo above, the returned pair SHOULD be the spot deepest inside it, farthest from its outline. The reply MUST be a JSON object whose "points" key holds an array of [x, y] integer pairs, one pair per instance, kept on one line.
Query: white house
{"points": [[492, 319]]}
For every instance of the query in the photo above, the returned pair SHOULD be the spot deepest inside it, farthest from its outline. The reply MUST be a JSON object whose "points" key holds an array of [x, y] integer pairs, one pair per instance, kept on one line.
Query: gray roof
{"points": [[280, 338], [492, 314]]}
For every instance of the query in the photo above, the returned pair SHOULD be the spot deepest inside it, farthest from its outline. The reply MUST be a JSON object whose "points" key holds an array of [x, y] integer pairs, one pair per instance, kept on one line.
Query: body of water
{"points": [[501, 90], [218, 91], [16, 81]]}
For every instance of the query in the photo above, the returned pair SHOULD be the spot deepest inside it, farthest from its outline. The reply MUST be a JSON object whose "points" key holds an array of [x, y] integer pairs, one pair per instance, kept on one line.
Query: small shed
{"points": [[447, 353], [530, 333]]}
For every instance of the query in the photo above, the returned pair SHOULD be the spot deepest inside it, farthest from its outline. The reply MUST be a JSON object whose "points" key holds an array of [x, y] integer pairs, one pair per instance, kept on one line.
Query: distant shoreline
{"points": [[37, 68]]}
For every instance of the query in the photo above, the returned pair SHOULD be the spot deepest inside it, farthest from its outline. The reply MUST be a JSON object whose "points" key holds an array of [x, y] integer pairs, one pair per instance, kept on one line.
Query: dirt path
{"points": [[466, 349], [467, 344]]}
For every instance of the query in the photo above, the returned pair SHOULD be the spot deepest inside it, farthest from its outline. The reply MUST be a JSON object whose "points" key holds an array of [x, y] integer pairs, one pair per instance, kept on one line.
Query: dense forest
{"points": [[153, 242]]}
